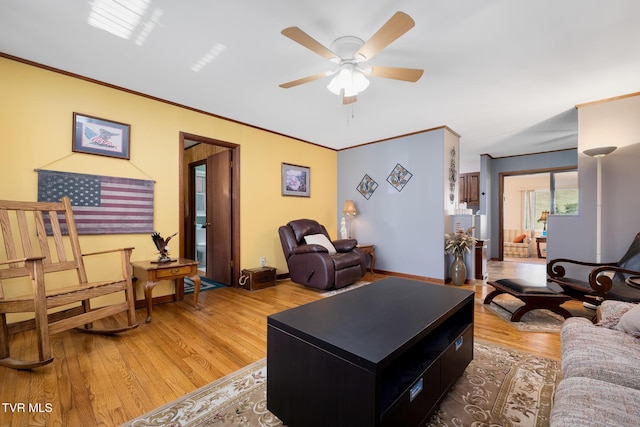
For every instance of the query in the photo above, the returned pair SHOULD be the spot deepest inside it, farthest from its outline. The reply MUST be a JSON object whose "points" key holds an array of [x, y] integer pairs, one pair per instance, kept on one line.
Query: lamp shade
{"points": [[600, 151], [349, 208], [543, 217]]}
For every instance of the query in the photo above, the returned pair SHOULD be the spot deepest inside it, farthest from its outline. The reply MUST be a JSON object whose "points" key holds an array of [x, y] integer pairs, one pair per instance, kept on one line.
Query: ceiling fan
{"points": [[350, 53]]}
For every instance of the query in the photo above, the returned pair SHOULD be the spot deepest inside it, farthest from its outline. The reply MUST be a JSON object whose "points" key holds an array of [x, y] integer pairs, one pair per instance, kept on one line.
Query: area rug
{"points": [[534, 320], [358, 284], [205, 285], [500, 387]]}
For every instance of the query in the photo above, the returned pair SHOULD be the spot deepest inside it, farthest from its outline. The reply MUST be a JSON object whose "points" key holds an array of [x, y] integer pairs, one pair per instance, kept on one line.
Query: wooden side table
{"points": [[153, 272], [369, 250], [538, 241]]}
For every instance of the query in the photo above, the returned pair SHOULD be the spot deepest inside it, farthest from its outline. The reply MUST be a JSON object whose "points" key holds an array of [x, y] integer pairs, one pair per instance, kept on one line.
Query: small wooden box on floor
{"points": [[258, 278]]}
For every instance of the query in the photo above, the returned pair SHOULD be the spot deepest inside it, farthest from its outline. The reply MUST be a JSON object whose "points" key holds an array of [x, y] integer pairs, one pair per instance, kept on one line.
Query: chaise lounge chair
{"points": [[614, 280]]}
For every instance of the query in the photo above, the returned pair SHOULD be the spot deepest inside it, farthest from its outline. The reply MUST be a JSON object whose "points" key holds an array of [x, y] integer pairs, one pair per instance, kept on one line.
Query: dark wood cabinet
{"points": [[382, 355], [469, 188]]}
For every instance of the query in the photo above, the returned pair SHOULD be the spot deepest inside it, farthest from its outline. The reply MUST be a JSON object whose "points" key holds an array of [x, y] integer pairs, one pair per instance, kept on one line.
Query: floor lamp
{"points": [[599, 153]]}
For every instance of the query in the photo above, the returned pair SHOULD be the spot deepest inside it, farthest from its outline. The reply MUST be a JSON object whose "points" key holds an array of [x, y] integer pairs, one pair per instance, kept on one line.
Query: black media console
{"points": [[384, 354]]}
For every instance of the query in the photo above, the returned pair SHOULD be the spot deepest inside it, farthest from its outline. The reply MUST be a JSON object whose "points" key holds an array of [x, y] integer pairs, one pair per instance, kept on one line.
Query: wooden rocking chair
{"points": [[33, 256]]}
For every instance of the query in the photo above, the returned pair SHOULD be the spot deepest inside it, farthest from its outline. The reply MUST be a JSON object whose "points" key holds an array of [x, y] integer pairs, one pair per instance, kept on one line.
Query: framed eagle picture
{"points": [[93, 135]]}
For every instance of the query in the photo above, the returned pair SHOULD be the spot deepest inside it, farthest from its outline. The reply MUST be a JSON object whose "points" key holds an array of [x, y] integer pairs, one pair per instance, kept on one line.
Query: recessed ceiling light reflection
{"points": [[208, 57], [119, 18]]}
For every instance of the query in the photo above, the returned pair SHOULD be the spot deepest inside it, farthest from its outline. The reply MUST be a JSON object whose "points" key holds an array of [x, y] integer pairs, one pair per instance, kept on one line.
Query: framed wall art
{"points": [[102, 137], [399, 177], [367, 186], [296, 180]]}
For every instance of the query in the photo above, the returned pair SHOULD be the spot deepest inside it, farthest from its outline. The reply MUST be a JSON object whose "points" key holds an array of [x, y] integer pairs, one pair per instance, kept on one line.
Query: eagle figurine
{"points": [[162, 246]]}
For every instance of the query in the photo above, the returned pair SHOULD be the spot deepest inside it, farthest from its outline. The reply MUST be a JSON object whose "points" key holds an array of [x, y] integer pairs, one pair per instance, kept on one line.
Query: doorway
{"points": [[525, 197], [209, 197]]}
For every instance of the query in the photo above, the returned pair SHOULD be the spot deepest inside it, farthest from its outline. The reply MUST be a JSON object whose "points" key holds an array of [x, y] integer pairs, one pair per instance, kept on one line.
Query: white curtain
{"points": [[529, 211]]}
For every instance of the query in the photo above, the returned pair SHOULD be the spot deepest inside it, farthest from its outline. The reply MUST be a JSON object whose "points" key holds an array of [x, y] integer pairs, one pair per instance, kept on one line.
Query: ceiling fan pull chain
{"points": [[350, 114]]}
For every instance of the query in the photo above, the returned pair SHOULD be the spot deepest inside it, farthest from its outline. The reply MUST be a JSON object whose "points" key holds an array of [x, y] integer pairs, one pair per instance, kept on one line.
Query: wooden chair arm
{"points": [[601, 282], [554, 269], [125, 260], [108, 251], [21, 260]]}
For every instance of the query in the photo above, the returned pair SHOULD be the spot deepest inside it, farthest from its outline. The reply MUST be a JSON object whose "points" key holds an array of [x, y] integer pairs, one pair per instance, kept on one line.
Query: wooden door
{"points": [[219, 255]]}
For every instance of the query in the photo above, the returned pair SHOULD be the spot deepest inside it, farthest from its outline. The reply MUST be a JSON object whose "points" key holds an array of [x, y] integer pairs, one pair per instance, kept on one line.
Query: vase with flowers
{"points": [[457, 244]]}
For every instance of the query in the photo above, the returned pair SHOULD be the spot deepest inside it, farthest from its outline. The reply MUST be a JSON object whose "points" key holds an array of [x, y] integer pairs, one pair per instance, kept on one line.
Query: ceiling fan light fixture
{"points": [[348, 81], [339, 81], [360, 82]]}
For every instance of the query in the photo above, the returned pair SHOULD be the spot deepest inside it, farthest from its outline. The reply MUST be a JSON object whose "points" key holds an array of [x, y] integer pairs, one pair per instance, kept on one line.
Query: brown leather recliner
{"points": [[312, 265]]}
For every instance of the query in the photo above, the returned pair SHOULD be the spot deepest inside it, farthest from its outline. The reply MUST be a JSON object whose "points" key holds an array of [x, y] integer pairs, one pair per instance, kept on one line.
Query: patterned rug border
{"points": [[523, 396], [231, 386], [356, 285], [205, 285]]}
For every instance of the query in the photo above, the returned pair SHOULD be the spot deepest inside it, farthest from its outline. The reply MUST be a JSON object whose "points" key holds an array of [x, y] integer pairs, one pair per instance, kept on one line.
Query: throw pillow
{"points": [[320, 239], [520, 238], [630, 322], [610, 312]]}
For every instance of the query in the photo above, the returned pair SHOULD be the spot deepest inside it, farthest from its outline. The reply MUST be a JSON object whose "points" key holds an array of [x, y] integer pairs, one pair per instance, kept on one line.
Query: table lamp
{"points": [[349, 211], [543, 219]]}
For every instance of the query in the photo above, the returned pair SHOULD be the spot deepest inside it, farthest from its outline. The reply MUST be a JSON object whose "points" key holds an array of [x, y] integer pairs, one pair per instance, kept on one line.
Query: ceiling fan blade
{"points": [[406, 74], [395, 27], [302, 80], [346, 100], [299, 36]]}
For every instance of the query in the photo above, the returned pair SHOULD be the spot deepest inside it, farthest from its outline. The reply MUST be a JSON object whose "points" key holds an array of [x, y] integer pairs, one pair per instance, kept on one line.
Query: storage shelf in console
{"points": [[403, 372]]}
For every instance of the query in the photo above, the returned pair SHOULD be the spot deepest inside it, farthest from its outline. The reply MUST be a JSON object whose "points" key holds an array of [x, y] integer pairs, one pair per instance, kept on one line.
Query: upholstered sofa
{"points": [[317, 262], [516, 244], [600, 369]]}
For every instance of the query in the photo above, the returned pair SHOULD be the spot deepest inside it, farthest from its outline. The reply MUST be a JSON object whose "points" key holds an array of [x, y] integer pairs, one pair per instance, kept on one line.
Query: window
{"points": [[559, 197], [565, 197], [535, 202]]}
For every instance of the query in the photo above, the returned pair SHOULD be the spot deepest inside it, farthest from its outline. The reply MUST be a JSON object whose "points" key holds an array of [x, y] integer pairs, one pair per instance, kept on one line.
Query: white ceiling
{"points": [[504, 74]]}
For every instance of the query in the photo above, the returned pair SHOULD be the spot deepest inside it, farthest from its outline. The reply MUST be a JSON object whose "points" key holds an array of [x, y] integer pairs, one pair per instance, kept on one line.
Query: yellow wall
{"points": [[36, 114]]}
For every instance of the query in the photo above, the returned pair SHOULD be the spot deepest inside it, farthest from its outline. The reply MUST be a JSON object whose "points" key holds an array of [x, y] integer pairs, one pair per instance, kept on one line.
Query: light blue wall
{"points": [[407, 227], [574, 237], [610, 122]]}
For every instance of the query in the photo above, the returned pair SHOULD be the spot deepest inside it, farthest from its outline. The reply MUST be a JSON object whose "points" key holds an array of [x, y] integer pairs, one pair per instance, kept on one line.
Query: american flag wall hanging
{"points": [[101, 204]]}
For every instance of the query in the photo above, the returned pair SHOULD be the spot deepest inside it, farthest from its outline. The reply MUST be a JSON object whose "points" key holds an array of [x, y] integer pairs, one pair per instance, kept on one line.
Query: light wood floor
{"points": [[96, 380]]}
